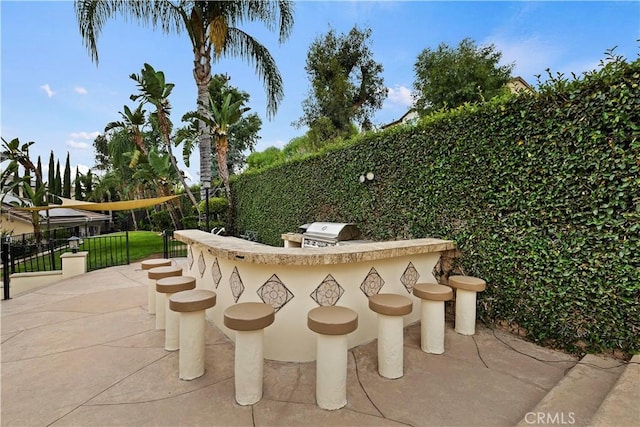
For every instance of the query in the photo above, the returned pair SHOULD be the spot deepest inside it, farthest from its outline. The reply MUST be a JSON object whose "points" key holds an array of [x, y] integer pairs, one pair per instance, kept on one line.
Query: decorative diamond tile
{"points": [[202, 266], [216, 274], [410, 277], [190, 257], [274, 292], [436, 270], [328, 292], [235, 282], [372, 284]]}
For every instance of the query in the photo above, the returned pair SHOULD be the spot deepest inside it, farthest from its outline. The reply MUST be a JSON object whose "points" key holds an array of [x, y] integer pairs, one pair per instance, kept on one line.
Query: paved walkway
{"points": [[84, 352]]}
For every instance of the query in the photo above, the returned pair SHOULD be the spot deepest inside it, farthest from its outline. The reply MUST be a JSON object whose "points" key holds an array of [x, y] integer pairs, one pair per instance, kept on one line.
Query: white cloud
{"points": [[47, 90], [400, 95], [84, 135], [77, 144], [80, 90], [531, 55], [81, 140]]}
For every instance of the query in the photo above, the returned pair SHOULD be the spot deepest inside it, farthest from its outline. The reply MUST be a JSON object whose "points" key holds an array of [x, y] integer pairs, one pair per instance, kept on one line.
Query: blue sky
{"points": [[53, 94]]}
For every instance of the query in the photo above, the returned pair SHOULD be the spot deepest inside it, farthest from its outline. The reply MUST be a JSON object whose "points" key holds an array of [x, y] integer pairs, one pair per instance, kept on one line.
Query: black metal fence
{"points": [[173, 248], [33, 252]]}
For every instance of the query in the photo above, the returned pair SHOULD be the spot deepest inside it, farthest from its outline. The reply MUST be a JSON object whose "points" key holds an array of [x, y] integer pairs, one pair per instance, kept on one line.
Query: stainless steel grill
{"points": [[322, 234]]}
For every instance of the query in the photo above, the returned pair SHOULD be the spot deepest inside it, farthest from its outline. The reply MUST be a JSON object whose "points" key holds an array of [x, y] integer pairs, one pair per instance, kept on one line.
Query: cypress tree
{"points": [[89, 188], [51, 183], [66, 184], [39, 173], [78, 186], [58, 181]]}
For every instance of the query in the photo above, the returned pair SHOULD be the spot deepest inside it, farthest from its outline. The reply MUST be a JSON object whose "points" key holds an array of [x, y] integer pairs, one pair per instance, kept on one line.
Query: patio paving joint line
{"points": [[478, 352], [106, 389], [355, 361], [545, 361], [140, 402]]}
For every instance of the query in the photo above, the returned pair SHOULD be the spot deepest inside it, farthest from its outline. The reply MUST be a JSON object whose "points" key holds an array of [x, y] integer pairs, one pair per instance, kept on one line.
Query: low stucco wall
{"points": [[24, 282], [296, 280]]}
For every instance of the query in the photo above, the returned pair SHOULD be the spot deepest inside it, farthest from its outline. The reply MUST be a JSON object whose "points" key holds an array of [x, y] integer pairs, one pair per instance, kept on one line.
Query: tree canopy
{"points": [[346, 84], [447, 77]]}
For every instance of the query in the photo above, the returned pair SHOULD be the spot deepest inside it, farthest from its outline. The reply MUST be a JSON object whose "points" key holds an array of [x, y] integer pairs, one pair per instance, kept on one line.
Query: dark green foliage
{"points": [[541, 193], [447, 78], [66, 183], [58, 181], [78, 186], [51, 183], [346, 84]]}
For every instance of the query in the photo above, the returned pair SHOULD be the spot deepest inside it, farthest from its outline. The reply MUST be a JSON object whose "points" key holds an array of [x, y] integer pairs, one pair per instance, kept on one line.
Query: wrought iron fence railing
{"points": [[40, 252], [173, 248]]}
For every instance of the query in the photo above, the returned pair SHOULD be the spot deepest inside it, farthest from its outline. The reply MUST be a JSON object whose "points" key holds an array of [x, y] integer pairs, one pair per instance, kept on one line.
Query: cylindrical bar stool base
{"points": [[390, 346], [161, 310], [172, 327], [465, 312], [331, 371], [192, 329], [432, 326], [248, 369], [151, 296]]}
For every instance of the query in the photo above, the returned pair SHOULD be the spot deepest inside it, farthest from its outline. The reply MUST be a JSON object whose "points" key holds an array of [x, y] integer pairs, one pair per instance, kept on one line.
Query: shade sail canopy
{"points": [[124, 205]]}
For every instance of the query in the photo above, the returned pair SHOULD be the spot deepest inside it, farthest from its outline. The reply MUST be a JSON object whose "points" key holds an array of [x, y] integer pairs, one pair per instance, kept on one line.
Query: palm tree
{"points": [[154, 90], [212, 29], [219, 119], [132, 122], [18, 155]]}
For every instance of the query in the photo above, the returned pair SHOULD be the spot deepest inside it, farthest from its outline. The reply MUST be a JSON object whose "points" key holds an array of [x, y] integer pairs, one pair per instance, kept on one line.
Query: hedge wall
{"points": [[541, 194]]}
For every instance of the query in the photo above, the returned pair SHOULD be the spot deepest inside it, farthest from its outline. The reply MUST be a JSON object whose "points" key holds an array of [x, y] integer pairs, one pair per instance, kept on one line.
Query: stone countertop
{"points": [[243, 250]]}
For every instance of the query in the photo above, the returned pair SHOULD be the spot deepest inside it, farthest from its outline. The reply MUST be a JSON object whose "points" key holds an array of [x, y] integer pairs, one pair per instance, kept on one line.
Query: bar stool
{"points": [[390, 309], [148, 264], [154, 275], [249, 319], [331, 324], [191, 305], [466, 289], [432, 298], [165, 288]]}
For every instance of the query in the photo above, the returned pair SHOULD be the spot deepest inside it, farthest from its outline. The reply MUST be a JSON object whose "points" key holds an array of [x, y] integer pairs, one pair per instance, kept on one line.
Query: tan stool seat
{"points": [[249, 316], [390, 304], [153, 263], [332, 320], [162, 272], [193, 300], [432, 292], [468, 283], [173, 284]]}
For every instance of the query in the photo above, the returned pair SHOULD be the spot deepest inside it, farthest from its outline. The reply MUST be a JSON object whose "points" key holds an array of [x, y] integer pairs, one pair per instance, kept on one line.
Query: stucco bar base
{"points": [[296, 280]]}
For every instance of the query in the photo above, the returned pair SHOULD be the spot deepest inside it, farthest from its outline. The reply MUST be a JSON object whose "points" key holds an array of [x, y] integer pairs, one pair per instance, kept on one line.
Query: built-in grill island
{"points": [[323, 234]]}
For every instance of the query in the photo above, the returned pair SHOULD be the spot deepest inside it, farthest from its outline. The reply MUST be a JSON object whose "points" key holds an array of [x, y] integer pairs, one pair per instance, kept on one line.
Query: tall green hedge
{"points": [[541, 194]]}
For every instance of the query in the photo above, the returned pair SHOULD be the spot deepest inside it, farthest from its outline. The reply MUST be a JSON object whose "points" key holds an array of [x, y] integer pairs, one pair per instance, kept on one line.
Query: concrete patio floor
{"points": [[85, 352]]}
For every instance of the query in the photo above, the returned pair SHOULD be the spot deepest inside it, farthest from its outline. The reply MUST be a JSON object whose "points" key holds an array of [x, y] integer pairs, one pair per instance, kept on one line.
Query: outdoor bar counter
{"points": [[296, 280]]}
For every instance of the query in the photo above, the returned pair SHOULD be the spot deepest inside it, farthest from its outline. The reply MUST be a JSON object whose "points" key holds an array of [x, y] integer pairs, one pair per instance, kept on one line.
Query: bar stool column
{"points": [[390, 309], [249, 319], [166, 288], [466, 288], [192, 305], [332, 324], [432, 322], [151, 289], [156, 274]]}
